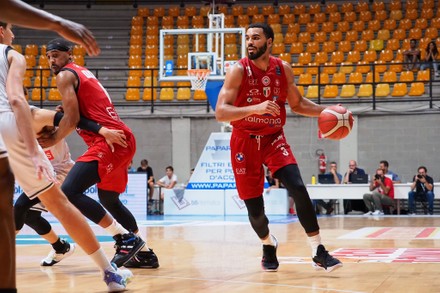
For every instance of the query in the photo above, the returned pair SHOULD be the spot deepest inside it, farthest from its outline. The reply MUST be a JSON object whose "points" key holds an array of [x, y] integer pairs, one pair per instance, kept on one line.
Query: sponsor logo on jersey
{"points": [[49, 155], [266, 91], [277, 70], [265, 80], [277, 82], [240, 171], [276, 91], [239, 157], [249, 100], [254, 92], [253, 81], [267, 120]]}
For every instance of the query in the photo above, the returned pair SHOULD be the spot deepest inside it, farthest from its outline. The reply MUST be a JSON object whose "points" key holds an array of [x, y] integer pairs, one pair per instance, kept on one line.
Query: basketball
{"points": [[335, 122]]}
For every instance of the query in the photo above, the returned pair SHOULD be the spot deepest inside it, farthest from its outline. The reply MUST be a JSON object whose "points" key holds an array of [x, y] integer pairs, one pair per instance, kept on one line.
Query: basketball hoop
{"points": [[198, 78]]}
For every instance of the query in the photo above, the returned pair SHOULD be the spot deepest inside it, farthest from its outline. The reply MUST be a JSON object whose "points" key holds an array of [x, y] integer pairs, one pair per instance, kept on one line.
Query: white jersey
{"points": [[4, 69], [59, 157]]}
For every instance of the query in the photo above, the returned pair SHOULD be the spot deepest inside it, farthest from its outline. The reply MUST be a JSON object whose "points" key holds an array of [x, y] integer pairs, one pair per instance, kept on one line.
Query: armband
{"points": [[89, 125], [57, 118]]}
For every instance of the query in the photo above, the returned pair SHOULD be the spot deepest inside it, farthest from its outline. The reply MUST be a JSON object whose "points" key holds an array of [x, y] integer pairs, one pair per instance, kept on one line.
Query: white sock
{"points": [[115, 228], [145, 248], [102, 262], [269, 240], [314, 241]]}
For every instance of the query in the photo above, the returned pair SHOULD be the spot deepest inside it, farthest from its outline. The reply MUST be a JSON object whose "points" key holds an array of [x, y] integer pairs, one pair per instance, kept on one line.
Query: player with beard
{"points": [[253, 99]]}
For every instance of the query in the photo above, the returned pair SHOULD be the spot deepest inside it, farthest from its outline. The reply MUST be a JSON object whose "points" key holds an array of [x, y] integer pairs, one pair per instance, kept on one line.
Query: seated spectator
{"points": [[130, 168], [388, 173], [382, 194], [328, 206], [412, 56], [349, 204], [144, 168], [168, 181], [422, 189], [431, 58]]}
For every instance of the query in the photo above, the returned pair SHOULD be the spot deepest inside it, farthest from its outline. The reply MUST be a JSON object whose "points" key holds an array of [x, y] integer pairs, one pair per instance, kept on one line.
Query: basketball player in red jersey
{"points": [[83, 95], [253, 99]]}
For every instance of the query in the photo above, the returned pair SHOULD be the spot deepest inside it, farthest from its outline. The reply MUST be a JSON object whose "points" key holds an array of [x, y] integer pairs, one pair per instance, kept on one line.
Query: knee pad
{"points": [[37, 222]]}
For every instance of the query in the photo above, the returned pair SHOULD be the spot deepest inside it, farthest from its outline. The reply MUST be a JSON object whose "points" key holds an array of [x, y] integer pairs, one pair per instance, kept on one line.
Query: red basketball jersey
{"points": [[94, 103], [258, 86]]}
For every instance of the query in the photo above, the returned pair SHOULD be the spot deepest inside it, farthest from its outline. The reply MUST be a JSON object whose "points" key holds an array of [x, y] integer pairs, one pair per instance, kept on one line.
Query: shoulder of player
{"points": [[16, 57]]}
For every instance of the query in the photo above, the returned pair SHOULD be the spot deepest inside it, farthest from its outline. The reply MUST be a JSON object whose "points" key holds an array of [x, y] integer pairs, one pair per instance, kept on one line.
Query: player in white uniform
{"points": [[25, 156], [28, 211]]}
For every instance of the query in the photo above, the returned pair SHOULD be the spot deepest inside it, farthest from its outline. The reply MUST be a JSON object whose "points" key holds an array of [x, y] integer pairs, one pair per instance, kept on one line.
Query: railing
{"points": [[429, 97]]}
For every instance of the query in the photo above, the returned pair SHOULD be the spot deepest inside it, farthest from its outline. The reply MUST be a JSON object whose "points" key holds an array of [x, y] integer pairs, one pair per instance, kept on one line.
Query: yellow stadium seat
{"points": [[276, 27], [365, 90], [330, 91], [411, 14], [54, 95], [300, 89], [339, 78], [406, 76], [38, 94], [183, 94], [329, 47], [350, 16], [399, 90], [363, 67], [199, 95], [166, 94], [347, 7], [312, 92], [348, 91], [396, 14], [330, 68], [344, 46], [327, 27], [417, 89], [182, 40], [360, 45], [334, 17], [355, 77], [279, 38], [382, 90]]}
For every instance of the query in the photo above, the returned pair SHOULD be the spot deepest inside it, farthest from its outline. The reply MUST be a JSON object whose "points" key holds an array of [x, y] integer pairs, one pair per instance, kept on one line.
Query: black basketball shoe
{"points": [[269, 262], [127, 245], [143, 259], [324, 261]]}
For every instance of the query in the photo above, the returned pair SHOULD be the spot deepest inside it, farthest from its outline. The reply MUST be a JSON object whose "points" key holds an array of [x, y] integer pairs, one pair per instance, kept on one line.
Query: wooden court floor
{"points": [[383, 254]]}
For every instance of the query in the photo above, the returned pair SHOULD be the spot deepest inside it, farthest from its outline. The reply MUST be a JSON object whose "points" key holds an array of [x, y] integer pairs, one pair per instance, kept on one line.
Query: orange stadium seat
{"points": [[132, 94], [182, 22], [396, 15], [158, 12], [54, 95], [348, 91], [135, 71], [362, 6], [412, 4], [383, 34], [174, 11], [423, 75], [386, 55], [45, 71], [321, 57], [143, 11], [27, 82], [374, 25], [243, 20], [267, 10], [367, 35], [380, 66], [365, 90], [283, 9], [137, 20], [428, 4], [135, 60], [421, 23], [355, 77], [31, 61], [299, 9], [353, 56], [304, 37], [258, 18], [279, 38], [431, 33], [38, 94], [304, 58], [369, 77], [183, 94], [330, 68], [319, 18], [312, 47], [376, 45], [343, 26], [314, 8], [79, 59], [190, 11], [329, 47], [320, 37], [351, 36], [427, 13], [415, 33], [297, 69], [277, 48], [290, 38], [399, 34], [337, 57], [335, 36], [350, 16], [198, 21], [237, 10], [395, 66], [166, 94], [378, 6], [399, 90], [389, 76], [417, 89], [289, 19], [296, 48], [393, 44], [136, 40], [363, 67], [229, 20], [252, 10], [411, 14], [339, 78], [136, 30], [358, 25], [344, 46], [395, 5], [381, 15], [334, 17], [204, 11], [347, 7], [77, 50], [330, 91], [304, 18], [406, 76], [199, 95], [346, 67], [286, 57], [323, 78], [312, 68], [389, 24], [31, 49], [149, 93], [273, 19], [331, 7], [327, 27], [153, 40], [300, 90], [312, 27], [305, 79], [365, 15], [43, 61], [360, 45], [222, 9], [18, 48]]}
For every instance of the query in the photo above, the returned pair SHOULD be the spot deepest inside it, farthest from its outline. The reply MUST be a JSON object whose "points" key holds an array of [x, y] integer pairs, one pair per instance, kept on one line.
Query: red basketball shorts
{"points": [[248, 155], [112, 167]]}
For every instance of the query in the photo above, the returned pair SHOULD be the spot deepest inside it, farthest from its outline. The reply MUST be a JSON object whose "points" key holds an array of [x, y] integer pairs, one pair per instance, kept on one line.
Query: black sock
{"points": [[59, 246]]}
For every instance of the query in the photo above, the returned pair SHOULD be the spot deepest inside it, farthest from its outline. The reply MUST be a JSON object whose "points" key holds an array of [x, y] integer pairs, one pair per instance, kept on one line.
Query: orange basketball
{"points": [[335, 122]]}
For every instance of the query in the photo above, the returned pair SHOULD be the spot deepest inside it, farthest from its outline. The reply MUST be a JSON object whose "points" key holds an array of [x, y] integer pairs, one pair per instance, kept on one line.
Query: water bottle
{"points": [[313, 179]]}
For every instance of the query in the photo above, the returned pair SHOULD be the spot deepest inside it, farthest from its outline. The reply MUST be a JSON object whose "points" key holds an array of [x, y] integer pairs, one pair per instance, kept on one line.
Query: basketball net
{"points": [[198, 78]]}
